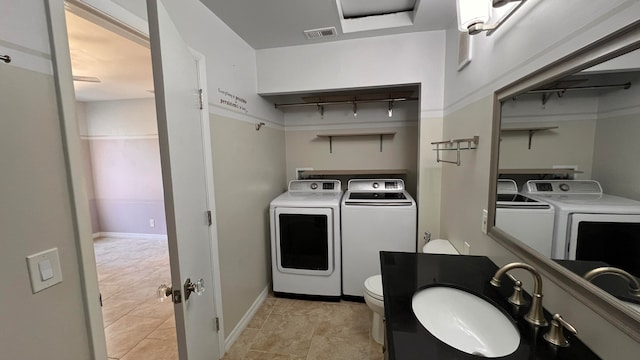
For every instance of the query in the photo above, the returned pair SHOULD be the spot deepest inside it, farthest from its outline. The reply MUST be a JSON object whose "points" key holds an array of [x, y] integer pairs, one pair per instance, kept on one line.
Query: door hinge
{"points": [[177, 297], [209, 219], [201, 97], [217, 324]]}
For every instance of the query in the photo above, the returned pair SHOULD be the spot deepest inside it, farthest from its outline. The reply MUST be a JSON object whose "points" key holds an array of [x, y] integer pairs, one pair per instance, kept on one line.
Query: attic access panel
{"points": [[365, 15], [352, 9]]}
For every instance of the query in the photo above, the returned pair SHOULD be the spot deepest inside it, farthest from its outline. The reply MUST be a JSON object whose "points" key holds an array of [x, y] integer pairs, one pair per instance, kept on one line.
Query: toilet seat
{"points": [[373, 287]]}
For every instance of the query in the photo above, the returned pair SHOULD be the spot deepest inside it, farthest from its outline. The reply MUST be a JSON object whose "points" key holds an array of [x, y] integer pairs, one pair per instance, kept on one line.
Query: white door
{"points": [[185, 191]]}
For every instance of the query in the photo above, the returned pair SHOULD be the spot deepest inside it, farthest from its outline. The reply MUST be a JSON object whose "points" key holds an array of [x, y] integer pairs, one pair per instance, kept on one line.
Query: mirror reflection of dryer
{"points": [[591, 225], [305, 240], [528, 220]]}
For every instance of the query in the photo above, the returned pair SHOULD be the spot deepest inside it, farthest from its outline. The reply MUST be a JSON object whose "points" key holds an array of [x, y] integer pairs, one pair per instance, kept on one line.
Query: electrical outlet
{"points": [[152, 223], [485, 219]]}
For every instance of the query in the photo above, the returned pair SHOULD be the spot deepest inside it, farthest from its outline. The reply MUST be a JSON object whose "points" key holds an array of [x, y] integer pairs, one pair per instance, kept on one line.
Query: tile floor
{"points": [[297, 329], [138, 327]]}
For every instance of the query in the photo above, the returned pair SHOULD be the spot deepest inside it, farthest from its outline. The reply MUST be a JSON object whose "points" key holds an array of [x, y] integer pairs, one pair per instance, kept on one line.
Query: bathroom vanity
{"points": [[403, 274]]}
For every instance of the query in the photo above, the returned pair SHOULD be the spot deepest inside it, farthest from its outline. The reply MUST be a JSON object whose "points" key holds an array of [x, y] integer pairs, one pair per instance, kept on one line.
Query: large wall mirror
{"points": [[565, 194]]}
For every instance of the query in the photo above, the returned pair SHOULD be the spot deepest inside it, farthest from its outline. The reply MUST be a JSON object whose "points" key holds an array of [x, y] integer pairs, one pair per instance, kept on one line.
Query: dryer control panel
{"points": [[563, 187], [315, 186]]}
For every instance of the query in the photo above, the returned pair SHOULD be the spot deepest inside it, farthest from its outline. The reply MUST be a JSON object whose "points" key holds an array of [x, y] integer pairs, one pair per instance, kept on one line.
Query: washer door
{"points": [[304, 240]]}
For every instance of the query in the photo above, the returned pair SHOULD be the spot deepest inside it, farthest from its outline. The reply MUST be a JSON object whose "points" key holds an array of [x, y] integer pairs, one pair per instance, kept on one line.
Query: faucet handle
{"points": [[555, 335], [516, 298]]}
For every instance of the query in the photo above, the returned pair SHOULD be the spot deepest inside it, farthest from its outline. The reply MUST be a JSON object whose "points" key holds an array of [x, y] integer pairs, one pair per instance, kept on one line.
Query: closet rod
{"points": [[595, 87], [344, 102]]}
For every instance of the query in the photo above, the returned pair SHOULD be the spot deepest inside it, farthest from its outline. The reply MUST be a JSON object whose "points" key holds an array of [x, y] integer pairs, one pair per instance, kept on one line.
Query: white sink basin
{"points": [[465, 321]]}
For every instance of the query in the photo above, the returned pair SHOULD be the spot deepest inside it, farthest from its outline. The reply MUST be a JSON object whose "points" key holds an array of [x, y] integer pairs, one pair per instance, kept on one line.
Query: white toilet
{"points": [[373, 288]]}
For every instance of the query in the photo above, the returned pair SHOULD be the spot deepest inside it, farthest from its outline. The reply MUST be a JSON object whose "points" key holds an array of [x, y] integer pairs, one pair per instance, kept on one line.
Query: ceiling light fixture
{"points": [[476, 16]]}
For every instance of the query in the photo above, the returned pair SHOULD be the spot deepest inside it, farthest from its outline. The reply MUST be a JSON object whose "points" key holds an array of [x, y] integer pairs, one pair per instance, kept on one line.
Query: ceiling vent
{"points": [[320, 33]]}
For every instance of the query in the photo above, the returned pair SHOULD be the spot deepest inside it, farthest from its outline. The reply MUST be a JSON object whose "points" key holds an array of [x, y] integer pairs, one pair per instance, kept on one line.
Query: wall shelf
{"points": [[310, 173], [454, 145], [541, 172], [530, 129], [331, 136]]}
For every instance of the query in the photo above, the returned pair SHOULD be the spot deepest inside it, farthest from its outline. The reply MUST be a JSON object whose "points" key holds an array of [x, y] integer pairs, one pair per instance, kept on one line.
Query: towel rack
{"points": [[5, 58], [454, 144]]}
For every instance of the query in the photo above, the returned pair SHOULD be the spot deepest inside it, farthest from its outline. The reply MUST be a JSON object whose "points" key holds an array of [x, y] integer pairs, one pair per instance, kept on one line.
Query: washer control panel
{"points": [[378, 185]]}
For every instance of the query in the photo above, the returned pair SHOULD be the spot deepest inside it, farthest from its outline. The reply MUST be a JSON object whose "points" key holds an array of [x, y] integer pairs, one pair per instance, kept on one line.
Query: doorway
{"points": [[116, 113]]}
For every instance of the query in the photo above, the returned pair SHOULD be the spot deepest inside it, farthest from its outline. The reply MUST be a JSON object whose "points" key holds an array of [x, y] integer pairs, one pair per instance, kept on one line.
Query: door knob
{"points": [[190, 287], [164, 292]]}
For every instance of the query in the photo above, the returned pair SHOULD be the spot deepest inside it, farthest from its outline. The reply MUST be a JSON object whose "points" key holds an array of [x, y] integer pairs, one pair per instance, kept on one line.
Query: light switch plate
{"points": [[485, 217], [44, 265]]}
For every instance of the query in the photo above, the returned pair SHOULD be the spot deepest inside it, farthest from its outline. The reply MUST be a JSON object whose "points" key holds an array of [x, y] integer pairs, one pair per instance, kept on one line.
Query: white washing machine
{"points": [[529, 220], [591, 225], [377, 215], [305, 240]]}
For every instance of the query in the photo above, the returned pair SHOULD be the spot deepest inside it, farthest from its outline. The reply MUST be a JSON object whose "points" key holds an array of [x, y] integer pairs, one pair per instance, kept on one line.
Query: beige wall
{"points": [[615, 163], [570, 144], [36, 215], [430, 178], [249, 172], [465, 194], [305, 149]]}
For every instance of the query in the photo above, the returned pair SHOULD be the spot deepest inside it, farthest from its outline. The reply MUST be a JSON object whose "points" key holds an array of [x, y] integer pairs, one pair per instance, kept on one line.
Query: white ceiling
{"points": [[124, 66], [277, 23]]}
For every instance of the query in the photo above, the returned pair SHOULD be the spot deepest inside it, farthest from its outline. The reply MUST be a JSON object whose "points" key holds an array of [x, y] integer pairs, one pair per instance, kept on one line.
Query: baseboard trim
{"points": [[120, 235], [242, 324]]}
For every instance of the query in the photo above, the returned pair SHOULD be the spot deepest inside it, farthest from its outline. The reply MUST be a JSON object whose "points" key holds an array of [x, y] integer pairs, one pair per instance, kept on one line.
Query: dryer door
{"points": [[611, 238], [304, 240]]}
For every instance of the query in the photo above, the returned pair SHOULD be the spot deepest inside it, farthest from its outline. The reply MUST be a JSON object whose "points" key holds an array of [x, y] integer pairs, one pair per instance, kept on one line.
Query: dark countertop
{"points": [[404, 273]]}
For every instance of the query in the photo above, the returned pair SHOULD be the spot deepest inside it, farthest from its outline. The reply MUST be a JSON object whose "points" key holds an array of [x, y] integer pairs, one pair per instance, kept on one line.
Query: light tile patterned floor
{"points": [[137, 326], [297, 329]]}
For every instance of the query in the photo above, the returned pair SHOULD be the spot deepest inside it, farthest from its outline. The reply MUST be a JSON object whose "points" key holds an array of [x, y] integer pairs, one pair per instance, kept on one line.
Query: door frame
{"points": [[61, 64]]}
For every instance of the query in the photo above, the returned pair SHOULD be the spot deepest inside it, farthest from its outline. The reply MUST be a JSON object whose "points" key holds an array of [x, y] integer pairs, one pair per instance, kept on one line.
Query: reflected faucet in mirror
{"points": [[634, 285]]}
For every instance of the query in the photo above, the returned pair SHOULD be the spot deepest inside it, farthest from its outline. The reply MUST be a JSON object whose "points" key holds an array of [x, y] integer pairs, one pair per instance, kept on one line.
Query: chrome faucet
{"points": [[634, 285], [535, 315]]}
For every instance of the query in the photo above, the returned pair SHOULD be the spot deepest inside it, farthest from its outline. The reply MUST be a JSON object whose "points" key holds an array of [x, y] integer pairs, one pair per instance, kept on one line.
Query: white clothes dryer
{"points": [[591, 225], [305, 240]]}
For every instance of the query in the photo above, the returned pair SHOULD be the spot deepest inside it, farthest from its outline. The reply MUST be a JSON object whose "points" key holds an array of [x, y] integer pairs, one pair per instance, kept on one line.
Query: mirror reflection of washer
{"points": [[305, 240], [528, 220], [377, 215]]}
